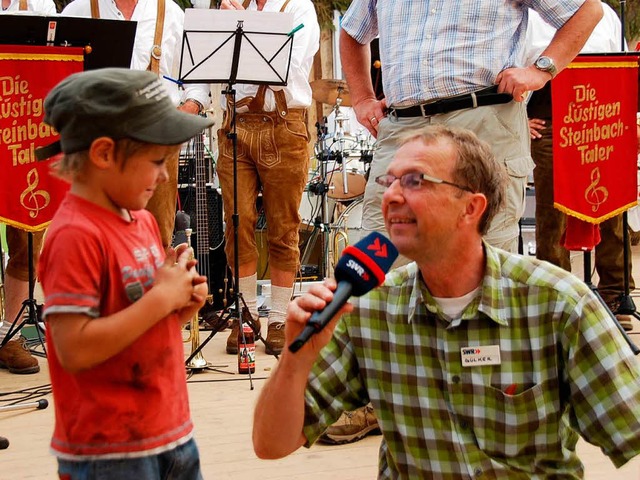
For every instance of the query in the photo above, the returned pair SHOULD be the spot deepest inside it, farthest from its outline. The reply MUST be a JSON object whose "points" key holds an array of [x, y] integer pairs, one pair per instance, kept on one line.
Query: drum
{"points": [[356, 182], [348, 228]]}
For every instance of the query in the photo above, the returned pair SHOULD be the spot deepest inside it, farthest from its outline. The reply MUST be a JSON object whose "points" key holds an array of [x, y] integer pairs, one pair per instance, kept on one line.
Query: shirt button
{"points": [[477, 472], [241, 120], [464, 425], [265, 119], [455, 379], [433, 11], [429, 36]]}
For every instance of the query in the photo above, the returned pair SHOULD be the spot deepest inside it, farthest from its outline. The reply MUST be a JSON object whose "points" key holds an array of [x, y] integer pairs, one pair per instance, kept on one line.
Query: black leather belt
{"points": [[481, 98]]}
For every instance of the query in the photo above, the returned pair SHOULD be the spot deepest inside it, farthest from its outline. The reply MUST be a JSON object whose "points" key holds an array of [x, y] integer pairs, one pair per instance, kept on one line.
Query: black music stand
{"points": [[265, 42]]}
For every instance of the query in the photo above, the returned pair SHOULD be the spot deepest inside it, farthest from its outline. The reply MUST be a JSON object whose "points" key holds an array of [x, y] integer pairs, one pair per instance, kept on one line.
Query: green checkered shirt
{"points": [[566, 365]]}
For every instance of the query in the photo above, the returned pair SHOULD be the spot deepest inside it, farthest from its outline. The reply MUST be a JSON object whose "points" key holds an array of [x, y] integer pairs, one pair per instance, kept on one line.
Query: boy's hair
{"points": [[71, 164], [117, 103]]}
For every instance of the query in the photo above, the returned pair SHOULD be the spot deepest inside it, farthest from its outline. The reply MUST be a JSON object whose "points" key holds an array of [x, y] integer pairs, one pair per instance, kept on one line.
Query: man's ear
{"points": [[102, 152], [475, 207]]}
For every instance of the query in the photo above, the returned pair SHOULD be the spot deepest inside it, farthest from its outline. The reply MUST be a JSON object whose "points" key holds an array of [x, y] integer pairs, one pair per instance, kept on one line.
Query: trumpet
{"points": [[340, 241], [198, 361]]}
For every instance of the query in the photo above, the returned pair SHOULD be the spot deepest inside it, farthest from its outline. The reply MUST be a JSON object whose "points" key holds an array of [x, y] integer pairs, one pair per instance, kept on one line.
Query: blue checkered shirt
{"points": [[433, 49], [565, 369]]}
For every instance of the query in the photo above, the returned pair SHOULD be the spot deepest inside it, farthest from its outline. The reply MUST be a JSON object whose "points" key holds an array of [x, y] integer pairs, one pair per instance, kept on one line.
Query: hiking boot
{"points": [[351, 427], [232, 339], [625, 322], [275, 338], [16, 357]]}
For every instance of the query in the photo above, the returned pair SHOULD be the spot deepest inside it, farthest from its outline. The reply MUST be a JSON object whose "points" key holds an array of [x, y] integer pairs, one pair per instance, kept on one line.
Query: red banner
{"points": [[594, 137], [30, 195]]}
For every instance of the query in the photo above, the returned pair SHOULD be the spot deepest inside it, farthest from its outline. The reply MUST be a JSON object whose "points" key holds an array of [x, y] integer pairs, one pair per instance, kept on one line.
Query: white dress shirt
{"points": [[39, 7], [145, 14], [306, 42]]}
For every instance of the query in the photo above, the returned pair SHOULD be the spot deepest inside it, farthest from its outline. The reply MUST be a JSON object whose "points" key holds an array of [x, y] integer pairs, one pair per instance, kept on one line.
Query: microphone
{"points": [[183, 221], [361, 268]]}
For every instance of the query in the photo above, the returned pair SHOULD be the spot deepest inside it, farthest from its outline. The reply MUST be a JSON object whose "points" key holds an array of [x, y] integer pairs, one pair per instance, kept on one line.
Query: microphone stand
{"points": [[39, 405]]}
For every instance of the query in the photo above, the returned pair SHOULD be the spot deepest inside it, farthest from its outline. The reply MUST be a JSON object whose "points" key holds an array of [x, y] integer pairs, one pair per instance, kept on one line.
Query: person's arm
{"points": [[279, 415], [356, 59], [564, 46], [82, 342]]}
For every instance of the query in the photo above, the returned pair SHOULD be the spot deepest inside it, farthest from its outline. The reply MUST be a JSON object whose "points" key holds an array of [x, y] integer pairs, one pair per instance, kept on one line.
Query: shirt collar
{"points": [[490, 302]]}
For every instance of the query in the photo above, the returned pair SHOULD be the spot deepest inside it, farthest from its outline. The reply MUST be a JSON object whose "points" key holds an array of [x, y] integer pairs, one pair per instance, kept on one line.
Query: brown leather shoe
{"points": [[275, 338], [351, 427], [232, 339], [16, 358]]}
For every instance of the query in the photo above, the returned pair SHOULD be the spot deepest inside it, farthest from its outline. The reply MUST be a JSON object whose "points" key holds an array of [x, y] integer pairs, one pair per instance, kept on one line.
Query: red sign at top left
{"points": [[30, 195]]}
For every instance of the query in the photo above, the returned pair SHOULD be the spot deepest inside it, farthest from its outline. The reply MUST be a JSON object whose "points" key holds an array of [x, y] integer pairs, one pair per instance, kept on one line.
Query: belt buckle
{"points": [[425, 104]]}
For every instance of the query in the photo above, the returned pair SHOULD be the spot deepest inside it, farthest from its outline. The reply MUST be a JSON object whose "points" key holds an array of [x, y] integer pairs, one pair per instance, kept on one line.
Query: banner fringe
{"points": [[593, 220]]}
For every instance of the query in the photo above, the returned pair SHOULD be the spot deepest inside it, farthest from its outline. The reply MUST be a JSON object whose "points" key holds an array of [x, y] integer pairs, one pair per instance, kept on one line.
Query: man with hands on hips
{"points": [[479, 363], [439, 62]]}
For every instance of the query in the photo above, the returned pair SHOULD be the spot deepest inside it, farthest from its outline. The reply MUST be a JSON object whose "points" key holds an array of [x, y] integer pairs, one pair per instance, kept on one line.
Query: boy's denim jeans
{"points": [[181, 463]]}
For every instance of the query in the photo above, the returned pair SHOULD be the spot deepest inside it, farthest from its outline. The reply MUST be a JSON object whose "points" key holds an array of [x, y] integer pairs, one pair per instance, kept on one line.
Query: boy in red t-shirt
{"points": [[114, 305]]}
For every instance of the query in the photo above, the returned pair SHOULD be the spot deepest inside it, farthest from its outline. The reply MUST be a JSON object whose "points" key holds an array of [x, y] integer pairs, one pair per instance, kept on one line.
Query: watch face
{"points": [[543, 63]]}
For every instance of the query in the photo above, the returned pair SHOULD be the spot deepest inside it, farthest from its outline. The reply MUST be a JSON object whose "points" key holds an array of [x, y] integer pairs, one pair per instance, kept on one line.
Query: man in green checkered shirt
{"points": [[479, 363]]}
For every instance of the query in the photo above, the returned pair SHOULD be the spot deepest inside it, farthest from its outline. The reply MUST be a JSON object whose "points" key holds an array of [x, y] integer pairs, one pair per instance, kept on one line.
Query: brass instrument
{"points": [[198, 362], [340, 240]]}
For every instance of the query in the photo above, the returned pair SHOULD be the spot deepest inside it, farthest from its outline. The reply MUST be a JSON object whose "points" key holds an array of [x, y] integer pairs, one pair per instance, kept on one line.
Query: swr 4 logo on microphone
{"points": [[353, 265], [380, 250]]}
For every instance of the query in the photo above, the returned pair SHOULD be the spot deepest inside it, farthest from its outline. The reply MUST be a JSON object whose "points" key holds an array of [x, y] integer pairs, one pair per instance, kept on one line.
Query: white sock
{"points": [[280, 298], [249, 290]]}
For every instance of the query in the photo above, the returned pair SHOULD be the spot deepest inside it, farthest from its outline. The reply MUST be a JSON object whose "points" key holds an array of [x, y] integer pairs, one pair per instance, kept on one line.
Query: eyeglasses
{"points": [[414, 180]]}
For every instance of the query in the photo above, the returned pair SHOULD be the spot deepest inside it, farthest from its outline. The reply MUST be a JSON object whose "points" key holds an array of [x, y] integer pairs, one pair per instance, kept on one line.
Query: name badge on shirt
{"points": [[476, 356]]}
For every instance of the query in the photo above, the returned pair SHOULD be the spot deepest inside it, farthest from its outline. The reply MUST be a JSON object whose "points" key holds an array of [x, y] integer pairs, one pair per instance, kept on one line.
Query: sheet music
{"points": [[207, 52]]}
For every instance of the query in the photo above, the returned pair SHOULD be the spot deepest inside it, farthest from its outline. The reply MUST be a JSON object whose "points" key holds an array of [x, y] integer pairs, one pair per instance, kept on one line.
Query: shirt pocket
{"points": [[509, 424]]}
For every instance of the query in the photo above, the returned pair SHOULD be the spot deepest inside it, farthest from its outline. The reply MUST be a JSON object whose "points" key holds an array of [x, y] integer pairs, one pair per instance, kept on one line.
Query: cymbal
{"points": [[327, 90]]}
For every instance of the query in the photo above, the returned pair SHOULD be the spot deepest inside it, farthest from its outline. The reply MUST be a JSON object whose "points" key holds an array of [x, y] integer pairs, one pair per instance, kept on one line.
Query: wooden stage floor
{"points": [[222, 404]]}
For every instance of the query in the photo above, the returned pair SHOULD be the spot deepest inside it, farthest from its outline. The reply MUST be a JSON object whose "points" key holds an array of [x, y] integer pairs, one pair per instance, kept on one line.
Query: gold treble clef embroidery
{"points": [[596, 195], [37, 199]]}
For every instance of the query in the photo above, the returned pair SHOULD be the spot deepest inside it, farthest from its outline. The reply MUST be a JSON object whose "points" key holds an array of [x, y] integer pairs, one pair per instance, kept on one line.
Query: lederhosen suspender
{"points": [[156, 50]]}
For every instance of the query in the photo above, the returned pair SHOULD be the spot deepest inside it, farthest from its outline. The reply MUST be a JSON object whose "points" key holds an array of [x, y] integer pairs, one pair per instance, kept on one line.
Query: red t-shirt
{"points": [[134, 404]]}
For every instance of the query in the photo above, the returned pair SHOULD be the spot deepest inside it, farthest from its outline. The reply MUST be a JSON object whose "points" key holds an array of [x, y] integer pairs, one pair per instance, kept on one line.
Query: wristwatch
{"points": [[199, 105], [546, 64]]}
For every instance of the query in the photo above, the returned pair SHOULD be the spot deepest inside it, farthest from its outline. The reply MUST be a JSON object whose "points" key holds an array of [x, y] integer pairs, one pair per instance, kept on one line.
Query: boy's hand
{"points": [[178, 281]]}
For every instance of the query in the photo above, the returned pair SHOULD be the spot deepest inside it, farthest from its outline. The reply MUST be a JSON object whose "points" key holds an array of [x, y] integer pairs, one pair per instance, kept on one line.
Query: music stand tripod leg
{"points": [[626, 306], [29, 304]]}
